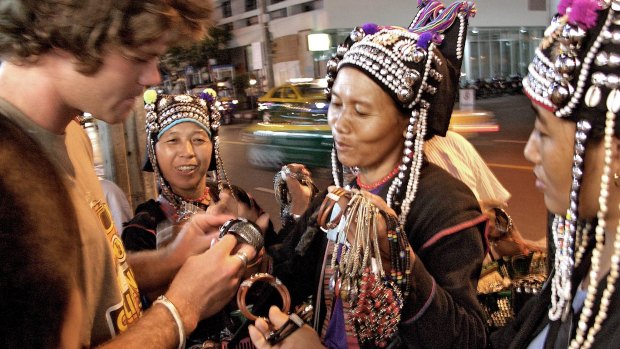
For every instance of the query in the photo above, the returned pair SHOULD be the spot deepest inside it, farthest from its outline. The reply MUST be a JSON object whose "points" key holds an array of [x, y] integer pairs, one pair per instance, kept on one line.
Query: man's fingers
{"points": [[277, 317], [258, 337], [225, 245], [209, 223]]}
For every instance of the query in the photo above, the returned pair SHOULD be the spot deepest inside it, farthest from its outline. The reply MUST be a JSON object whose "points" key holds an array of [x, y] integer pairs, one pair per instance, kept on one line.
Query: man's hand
{"points": [[195, 236], [206, 282]]}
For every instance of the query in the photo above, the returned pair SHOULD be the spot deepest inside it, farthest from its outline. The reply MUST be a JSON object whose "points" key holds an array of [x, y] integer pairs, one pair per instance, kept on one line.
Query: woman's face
{"points": [[550, 148], [184, 154], [366, 125]]}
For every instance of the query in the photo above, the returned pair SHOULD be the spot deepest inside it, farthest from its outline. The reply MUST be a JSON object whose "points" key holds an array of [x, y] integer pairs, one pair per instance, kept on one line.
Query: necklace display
{"points": [[381, 181], [375, 297]]}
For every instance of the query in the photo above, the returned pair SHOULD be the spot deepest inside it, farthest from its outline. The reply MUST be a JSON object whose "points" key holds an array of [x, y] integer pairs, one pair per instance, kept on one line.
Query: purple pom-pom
{"points": [[207, 97], [563, 5], [583, 13], [370, 28], [425, 39]]}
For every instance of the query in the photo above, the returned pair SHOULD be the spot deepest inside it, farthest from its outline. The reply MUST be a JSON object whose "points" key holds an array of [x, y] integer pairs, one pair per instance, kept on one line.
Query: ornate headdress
{"points": [[165, 111], [575, 74], [419, 68]]}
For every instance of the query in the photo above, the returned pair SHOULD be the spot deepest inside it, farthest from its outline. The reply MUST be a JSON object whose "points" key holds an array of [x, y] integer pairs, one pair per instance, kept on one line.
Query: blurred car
{"points": [[270, 145], [471, 122], [273, 144], [299, 101]]}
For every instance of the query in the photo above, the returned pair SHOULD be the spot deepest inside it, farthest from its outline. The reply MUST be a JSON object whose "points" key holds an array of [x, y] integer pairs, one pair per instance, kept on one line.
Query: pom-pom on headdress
{"points": [[165, 111], [419, 67], [576, 75]]}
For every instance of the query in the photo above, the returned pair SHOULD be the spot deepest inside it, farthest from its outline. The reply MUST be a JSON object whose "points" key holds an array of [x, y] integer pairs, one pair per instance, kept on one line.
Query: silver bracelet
{"points": [[163, 300]]}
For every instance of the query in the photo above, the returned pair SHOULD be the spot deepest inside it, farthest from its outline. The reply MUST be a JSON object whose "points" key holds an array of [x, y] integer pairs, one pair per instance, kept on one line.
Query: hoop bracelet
{"points": [[245, 231], [273, 281], [163, 300]]}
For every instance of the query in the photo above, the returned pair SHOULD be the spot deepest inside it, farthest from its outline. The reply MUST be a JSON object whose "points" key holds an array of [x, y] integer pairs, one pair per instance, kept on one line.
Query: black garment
{"points": [[446, 231], [533, 318]]}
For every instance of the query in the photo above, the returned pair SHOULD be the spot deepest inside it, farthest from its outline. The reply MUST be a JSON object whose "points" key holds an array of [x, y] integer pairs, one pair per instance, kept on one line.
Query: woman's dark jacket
{"points": [[446, 230]]}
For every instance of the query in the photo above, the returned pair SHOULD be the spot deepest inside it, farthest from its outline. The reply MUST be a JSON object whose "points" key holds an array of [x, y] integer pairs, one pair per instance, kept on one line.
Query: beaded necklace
{"points": [[205, 196], [381, 181]]}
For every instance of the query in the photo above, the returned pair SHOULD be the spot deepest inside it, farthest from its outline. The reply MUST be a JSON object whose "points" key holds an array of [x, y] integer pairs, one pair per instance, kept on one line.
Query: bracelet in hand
{"points": [[273, 281]]}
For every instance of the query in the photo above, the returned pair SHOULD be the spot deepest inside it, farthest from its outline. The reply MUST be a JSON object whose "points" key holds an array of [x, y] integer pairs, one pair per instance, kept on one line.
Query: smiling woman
{"points": [[183, 146]]}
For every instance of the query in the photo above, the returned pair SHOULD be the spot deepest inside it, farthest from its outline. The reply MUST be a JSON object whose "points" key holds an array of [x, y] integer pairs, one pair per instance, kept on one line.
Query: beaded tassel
{"points": [[581, 340], [564, 235]]}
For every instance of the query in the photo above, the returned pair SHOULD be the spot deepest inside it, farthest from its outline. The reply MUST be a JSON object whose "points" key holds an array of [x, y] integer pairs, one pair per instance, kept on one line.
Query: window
{"points": [[499, 52], [281, 13], [251, 21], [250, 5], [306, 7], [226, 9], [275, 1], [288, 93]]}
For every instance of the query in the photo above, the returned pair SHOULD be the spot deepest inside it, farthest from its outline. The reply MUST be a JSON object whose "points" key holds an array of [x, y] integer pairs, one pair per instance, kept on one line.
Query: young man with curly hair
{"points": [[63, 58]]}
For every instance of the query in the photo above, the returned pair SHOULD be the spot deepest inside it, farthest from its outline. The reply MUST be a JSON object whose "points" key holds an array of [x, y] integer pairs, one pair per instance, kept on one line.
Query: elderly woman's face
{"points": [[183, 154], [550, 148], [366, 125]]}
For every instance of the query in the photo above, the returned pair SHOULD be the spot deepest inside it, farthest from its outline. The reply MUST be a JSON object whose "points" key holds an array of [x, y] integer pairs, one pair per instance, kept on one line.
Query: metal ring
{"points": [[273, 281], [244, 258]]}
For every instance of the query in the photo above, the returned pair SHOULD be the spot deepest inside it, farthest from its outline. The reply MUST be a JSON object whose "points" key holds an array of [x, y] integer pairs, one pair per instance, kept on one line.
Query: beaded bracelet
{"points": [[163, 300], [273, 281]]}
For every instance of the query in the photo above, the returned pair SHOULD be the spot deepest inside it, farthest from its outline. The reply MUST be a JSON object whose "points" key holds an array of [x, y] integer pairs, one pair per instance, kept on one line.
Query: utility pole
{"points": [[263, 20]]}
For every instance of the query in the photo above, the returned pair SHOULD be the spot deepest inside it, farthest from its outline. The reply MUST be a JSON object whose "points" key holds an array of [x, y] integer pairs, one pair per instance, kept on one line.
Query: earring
{"points": [[616, 177]]}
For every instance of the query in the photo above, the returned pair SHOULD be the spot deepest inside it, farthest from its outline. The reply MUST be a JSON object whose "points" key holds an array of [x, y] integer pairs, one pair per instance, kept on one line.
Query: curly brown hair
{"points": [[87, 28]]}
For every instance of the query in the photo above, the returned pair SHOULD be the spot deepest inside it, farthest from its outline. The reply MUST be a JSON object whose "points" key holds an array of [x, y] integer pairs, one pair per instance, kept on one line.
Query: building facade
{"points": [[500, 43]]}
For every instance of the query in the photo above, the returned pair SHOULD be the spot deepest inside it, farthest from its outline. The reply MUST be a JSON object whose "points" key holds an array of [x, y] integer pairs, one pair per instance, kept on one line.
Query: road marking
{"points": [[514, 167], [265, 190], [509, 141]]}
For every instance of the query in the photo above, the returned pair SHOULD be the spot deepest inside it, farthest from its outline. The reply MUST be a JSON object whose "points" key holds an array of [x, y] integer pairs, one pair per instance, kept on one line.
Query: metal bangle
{"points": [[245, 231], [163, 300], [273, 281]]}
